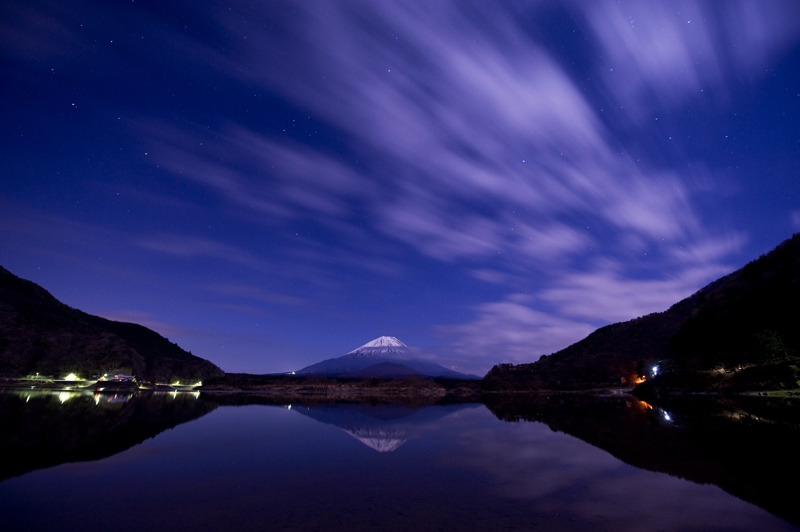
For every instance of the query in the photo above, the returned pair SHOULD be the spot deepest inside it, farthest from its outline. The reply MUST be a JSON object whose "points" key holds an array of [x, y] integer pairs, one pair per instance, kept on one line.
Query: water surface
{"points": [[344, 467]]}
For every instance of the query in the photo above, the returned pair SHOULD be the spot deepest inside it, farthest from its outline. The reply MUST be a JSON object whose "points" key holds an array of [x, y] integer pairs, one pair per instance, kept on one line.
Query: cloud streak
{"points": [[673, 51], [474, 130]]}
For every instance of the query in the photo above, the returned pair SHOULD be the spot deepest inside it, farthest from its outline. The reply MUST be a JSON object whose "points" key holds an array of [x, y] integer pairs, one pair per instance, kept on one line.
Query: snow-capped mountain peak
{"points": [[380, 347], [383, 341]]}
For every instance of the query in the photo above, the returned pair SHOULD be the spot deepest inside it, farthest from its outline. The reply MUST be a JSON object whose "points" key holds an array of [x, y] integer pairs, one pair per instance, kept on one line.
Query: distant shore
{"points": [[280, 385], [87, 385], [293, 388]]}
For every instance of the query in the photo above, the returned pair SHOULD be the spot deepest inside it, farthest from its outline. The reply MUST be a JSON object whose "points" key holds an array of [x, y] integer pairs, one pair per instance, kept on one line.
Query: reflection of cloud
{"points": [[560, 475]]}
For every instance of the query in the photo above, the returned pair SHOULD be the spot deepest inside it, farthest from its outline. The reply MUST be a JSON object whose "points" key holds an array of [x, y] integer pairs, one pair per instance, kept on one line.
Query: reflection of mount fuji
{"points": [[381, 427]]}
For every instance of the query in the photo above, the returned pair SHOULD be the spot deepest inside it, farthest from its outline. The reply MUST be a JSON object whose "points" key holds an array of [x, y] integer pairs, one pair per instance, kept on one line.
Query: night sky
{"points": [[269, 184]]}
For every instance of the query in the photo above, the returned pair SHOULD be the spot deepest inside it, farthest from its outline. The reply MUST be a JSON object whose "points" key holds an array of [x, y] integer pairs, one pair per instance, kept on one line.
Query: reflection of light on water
{"points": [[639, 405], [99, 397], [66, 396], [645, 406], [111, 398]]}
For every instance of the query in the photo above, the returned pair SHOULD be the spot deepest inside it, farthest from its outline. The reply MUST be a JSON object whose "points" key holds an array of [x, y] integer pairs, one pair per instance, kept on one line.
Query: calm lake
{"points": [[183, 461]]}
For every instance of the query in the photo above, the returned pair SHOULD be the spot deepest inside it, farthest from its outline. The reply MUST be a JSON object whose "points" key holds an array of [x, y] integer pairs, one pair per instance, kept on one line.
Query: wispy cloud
{"points": [[168, 330], [255, 293], [194, 248], [605, 294], [486, 124], [660, 54], [510, 331], [21, 28], [279, 180]]}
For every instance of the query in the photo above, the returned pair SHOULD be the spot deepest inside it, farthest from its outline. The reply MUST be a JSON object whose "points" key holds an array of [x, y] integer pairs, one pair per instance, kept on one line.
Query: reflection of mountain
{"points": [[381, 440], [747, 446], [44, 429], [383, 428]]}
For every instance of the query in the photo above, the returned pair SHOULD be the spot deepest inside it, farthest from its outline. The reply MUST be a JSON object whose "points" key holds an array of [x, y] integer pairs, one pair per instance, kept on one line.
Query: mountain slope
{"points": [[383, 370], [39, 334], [378, 356], [738, 332]]}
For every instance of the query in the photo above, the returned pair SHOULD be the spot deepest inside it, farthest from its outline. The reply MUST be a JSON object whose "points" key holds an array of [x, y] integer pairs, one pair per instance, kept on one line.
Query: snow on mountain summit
{"points": [[383, 341], [380, 347]]}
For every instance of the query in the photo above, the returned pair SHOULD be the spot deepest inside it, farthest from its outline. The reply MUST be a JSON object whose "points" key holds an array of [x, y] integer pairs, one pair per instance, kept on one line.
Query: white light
{"points": [[65, 396], [654, 371]]}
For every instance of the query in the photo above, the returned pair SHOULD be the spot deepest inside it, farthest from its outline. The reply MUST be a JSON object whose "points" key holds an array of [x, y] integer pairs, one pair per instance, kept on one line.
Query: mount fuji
{"points": [[383, 357]]}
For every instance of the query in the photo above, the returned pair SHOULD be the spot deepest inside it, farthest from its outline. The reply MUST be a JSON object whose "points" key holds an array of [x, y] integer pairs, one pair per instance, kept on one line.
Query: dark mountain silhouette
{"points": [[738, 333], [39, 334], [383, 370]]}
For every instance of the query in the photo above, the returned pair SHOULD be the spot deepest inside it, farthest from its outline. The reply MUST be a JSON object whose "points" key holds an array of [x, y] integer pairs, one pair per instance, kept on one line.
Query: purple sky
{"points": [[269, 184]]}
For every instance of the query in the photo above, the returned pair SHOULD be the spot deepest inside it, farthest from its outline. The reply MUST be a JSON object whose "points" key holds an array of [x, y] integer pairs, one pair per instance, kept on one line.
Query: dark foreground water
{"points": [[188, 462]]}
